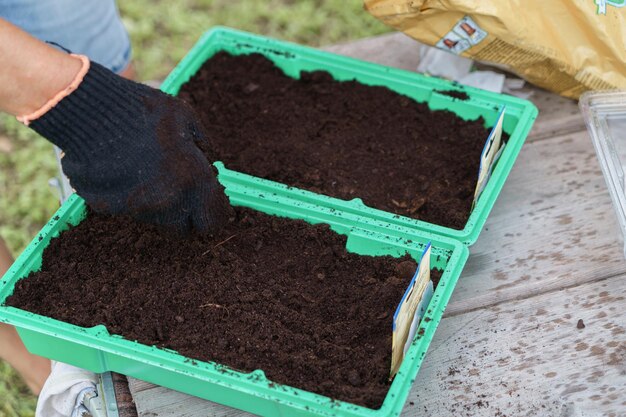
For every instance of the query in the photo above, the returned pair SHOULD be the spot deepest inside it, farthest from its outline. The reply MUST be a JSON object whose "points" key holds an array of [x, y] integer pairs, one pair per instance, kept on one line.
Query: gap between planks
{"points": [[534, 293]]}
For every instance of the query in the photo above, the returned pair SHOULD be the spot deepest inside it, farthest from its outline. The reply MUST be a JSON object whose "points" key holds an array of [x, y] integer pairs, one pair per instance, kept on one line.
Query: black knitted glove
{"points": [[131, 149]]}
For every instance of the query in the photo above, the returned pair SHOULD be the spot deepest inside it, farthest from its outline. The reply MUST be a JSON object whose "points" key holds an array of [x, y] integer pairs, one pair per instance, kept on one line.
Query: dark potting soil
{"points": [[266, 293], [342, 139]]}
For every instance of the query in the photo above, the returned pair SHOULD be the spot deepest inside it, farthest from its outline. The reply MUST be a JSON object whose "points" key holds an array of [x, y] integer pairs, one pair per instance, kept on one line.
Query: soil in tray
{"points": [[266, 293], [342, 139]]}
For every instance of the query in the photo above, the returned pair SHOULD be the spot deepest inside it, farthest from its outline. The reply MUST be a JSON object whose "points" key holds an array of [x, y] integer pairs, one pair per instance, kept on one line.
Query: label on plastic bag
{"points": [[465, 34], [601, 4], [490, 155], [405, 319]]}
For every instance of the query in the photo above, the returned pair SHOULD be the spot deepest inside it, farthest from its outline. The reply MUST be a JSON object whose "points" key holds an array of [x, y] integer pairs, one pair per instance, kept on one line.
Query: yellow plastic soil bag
{"points": [[566, 46]]}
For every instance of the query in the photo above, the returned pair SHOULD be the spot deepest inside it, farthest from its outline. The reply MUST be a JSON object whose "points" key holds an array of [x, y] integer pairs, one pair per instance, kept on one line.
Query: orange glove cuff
{"points": [[26, 119]]}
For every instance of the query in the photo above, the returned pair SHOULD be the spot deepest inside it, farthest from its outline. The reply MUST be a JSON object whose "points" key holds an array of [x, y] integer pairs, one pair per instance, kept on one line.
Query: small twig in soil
{"points": [[221, 243], [307, 298], [336, 345], [213, 305]]}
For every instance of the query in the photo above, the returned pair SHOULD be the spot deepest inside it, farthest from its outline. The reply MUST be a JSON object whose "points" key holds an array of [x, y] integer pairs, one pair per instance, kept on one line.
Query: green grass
{"points": [[161, 33], [27, 201], [161, 42], [15, 397]]}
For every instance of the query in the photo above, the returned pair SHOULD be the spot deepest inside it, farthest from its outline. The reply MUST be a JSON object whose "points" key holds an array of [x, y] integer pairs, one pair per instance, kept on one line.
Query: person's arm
{"points": [[129, 149], [31, 72]]}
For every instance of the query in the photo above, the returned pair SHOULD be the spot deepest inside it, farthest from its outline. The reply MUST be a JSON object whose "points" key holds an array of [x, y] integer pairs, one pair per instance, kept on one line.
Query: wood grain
{"points": [[528, 358], [553, 226], [152, 401], [125, 401], [393, 49]]}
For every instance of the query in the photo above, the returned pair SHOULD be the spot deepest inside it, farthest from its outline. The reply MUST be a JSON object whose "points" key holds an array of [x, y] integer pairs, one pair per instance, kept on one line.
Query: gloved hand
{"points": [[131, 149]]}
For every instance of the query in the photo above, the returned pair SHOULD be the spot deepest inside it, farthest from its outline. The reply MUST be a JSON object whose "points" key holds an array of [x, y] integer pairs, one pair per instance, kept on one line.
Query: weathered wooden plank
{"points": [[125, 403], [557, 116], [394, 49], [528, 358], [521, 358], [152, 401], [553, 226]]}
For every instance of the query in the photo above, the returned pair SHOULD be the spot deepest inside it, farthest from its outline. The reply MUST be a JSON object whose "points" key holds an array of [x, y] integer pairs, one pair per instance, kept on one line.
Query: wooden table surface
{"points": [[550, 255]]}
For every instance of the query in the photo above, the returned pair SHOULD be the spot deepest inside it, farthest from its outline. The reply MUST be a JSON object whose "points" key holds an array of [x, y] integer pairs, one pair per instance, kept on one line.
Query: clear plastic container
{"points": [[605, 115]]}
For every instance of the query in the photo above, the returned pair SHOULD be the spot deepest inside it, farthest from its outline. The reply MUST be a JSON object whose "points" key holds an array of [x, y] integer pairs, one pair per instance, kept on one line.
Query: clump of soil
{"points": [[459, 95], [266, 293], [342, 139]]}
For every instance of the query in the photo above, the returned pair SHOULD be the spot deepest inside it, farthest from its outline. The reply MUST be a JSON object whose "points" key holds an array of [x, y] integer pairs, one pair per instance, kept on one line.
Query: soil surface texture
{"points": [[266, 293], [342, 139]]}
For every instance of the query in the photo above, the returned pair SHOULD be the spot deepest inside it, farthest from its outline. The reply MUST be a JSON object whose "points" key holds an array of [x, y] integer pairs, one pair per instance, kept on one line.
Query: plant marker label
{"points": [[419, 313], [490, 155], [407, 315]]}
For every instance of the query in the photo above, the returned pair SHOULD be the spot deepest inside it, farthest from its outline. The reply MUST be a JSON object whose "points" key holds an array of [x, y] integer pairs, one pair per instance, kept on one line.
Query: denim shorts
{"points": [[88, 27]]}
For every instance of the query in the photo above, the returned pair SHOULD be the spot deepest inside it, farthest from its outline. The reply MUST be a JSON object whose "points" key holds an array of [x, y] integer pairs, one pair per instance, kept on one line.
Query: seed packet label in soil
{"points": [[406, 317], [419, 313], [490, 155]]}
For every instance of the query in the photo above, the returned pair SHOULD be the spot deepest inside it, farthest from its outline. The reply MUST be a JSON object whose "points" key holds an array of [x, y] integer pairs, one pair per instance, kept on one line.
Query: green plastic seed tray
{"points": [[292, 58], [97, 350]]}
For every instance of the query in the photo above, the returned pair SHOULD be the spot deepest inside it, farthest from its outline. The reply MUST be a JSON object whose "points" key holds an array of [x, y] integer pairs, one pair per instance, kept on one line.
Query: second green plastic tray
{"points": [[293, 58]]}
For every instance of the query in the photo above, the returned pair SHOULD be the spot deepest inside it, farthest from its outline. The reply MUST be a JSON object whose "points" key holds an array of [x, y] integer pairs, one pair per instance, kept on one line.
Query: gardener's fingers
{"points": [[211, 209], [202, 209], [172, 217]]}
